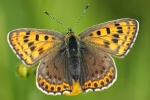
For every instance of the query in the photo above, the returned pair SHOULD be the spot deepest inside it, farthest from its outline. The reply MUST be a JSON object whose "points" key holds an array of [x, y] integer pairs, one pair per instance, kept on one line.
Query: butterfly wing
{"points": [[115, 37], [52, 75], [98, 70], [31, 45]]}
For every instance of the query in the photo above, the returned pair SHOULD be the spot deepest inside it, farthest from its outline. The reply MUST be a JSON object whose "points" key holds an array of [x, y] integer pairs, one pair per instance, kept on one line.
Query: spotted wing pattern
{"points": [[115, 37], [52, 76], [31, 45], [98, 70]]}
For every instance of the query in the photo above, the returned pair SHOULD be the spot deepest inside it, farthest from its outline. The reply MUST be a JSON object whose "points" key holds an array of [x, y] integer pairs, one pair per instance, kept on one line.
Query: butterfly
{"points": [[70, 64]]}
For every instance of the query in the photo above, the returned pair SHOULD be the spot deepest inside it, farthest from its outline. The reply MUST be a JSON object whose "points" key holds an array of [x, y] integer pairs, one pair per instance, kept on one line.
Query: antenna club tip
{"points": [[87, 6], [46, 12]]}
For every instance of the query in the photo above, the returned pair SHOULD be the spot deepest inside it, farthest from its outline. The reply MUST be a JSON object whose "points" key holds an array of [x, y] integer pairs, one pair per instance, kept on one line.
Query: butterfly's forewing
{"points": [[98, 70], [52, 76], [30, 45], [115, 37]]}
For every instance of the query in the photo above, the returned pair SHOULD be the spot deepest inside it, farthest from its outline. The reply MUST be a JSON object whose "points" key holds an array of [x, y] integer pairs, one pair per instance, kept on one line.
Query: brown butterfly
{"points": [[70, 64]]}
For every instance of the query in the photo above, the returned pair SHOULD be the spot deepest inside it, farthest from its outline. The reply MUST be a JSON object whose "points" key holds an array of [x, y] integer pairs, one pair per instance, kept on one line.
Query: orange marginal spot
{"points": [[76, 89], [48, 87], [87, 84], [95, 84], [107, 78], [102, 82], [92, 84], [66, 86], [111, 70], [43, 83]]}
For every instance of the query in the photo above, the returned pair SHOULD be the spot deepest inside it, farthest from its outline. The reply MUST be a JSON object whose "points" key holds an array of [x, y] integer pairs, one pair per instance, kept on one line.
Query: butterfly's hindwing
{"points": [[98, 70], [52, 75]]}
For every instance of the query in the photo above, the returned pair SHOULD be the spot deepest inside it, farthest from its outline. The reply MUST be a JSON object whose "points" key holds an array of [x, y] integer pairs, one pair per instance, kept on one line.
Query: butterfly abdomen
{"points": [[74, 67], [73, 56]]}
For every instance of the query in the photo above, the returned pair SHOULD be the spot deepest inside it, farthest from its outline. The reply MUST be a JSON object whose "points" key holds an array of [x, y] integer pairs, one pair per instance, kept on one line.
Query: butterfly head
{"points": [[70, 31], [70, 35]]}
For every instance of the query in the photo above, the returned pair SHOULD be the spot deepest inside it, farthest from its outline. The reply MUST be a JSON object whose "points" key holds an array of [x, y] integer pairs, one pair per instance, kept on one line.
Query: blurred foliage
{"points": [[25, 71], [133, 71]]}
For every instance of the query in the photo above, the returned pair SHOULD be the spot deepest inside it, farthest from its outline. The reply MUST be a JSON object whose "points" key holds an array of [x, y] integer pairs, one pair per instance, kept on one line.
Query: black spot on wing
{"points": [[91, 34], [32, 48], [25, 41], [30, 44], [46, 37], [117, 24], [25, 37], [28, 33], [98, 32], [116, 35], [119, 27], [120, 31], [37, 37], [108, 30], [115, 40]]}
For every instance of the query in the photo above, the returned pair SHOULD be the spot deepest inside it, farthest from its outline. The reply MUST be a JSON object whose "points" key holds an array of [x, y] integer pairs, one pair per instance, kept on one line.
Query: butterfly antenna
{"points": [[55, 19], [81, 16]]}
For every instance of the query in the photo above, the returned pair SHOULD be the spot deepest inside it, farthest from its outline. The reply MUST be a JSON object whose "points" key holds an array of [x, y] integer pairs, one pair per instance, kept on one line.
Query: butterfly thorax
{"points": [[73, 55]]}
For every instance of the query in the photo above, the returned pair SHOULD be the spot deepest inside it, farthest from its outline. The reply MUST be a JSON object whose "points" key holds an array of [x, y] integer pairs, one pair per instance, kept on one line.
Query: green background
{"points": [[133, 81]]}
